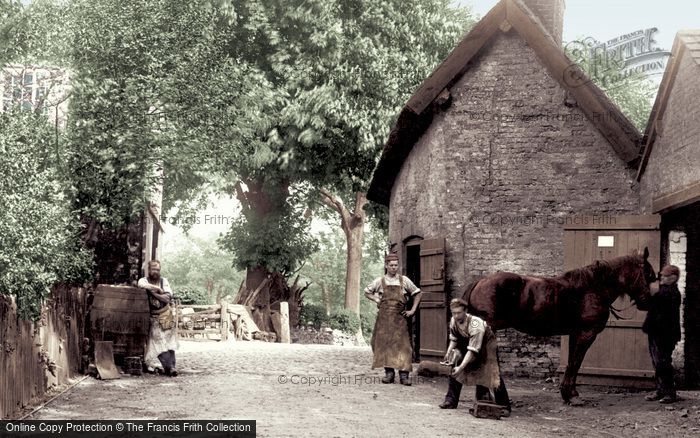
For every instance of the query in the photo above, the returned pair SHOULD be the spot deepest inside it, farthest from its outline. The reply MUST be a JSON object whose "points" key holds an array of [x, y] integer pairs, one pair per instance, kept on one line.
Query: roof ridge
{"points": [[417, 114]]}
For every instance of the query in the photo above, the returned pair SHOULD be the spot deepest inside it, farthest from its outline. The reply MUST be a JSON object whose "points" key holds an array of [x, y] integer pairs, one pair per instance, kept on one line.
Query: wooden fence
{"points": [[205, 320], [36, 356]]}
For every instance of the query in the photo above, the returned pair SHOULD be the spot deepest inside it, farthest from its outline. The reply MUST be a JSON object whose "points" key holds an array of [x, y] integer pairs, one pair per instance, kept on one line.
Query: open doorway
{"points": [[412, 271], [680, 231]]}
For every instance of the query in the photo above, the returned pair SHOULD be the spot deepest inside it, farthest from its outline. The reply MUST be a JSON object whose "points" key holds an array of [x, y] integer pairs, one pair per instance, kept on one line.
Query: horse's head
{"points": [[636, 276]]}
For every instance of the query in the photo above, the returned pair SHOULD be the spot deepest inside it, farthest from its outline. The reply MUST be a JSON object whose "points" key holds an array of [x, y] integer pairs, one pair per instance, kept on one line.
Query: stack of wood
{"points": [[204, 320], [266, 304]]}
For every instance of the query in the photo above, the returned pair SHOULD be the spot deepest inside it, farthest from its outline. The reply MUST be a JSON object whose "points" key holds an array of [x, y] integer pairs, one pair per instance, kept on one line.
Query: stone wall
{"points": [[325, 336], [521, 355], [674, 162], [499, 171]]}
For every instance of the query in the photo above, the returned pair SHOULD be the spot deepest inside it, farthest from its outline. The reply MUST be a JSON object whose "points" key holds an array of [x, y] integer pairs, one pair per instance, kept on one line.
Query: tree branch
{"points": [[336, 204]]}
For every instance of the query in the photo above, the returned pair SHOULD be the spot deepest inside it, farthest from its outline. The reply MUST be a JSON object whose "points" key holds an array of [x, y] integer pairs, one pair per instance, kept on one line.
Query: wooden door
{"points": [[619, 356], [433, 305]]}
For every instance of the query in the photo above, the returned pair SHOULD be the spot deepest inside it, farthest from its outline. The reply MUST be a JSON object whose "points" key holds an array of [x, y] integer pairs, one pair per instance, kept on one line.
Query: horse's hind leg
{"points": [[579, 343]]}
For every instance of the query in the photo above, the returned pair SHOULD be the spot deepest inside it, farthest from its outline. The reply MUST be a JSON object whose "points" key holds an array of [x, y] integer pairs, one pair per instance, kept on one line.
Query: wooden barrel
{"points": [[120, 314]]}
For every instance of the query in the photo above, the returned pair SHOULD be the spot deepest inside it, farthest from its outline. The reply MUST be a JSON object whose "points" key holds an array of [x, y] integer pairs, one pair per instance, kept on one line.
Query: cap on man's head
{"points": [[669, 270], [391, 257]]}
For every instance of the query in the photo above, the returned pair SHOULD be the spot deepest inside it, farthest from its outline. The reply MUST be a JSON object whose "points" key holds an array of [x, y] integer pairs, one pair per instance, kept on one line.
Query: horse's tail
{"points": [[470, 287]]}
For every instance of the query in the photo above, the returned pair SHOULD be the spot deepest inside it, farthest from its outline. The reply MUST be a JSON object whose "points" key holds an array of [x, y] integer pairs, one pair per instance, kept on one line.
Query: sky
{"points": [[607, 19]]}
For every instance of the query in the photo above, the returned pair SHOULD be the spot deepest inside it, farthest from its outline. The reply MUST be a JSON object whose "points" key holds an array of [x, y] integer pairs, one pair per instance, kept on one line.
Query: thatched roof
{"points": [[417, 114]]}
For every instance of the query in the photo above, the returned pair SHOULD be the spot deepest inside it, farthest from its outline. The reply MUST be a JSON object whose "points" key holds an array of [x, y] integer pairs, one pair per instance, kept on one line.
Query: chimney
{"points": [[551, 14]]}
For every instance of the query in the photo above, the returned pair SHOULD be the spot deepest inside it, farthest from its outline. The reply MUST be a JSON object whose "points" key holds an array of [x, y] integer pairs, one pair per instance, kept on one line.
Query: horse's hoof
{"points": [[576, 401]]}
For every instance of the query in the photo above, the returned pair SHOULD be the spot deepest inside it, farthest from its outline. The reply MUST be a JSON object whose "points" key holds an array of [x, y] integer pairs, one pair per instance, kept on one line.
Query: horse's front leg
{"points": [[566, 386], [579, 343]]}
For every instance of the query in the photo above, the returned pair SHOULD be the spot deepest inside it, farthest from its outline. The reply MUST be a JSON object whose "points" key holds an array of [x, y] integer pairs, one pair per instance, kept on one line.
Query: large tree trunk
{"points": [[353, 225], [257, 205], [261, 307], [355, 236]]}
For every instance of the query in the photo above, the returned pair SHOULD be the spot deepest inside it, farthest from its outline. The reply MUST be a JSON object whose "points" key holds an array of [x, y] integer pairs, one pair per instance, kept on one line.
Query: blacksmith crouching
{"points": [[473, 352], [162, 339]]}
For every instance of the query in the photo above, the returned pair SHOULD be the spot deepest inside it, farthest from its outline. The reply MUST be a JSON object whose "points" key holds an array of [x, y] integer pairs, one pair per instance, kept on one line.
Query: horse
{"points": [[577, 303]]}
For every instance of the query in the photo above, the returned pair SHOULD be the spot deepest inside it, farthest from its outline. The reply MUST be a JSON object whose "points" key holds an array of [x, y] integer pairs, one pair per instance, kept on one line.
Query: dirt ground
{"points": [[329, 391]]}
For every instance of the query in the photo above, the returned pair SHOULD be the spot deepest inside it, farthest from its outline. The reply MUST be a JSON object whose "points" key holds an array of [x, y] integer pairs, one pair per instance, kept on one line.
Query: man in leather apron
{"points": [[391, 339], [473, 354], [162, 339]]}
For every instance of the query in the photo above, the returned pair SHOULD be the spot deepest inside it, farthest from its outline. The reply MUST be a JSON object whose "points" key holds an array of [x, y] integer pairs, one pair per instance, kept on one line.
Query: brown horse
{"points": [[577, 303]]}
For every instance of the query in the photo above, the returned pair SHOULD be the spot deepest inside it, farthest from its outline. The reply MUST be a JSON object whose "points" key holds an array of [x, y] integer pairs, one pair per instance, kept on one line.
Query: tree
{"points": [[134, 65], [199, 264], [632, 93], [325, 270], [335, 74]]}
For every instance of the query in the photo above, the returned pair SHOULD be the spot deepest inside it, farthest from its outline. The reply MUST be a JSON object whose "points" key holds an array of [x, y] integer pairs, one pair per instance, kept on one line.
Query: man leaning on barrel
{"points": [[162, 339]]}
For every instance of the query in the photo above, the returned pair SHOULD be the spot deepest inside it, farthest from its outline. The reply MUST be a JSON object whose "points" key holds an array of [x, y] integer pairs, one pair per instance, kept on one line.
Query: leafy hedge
{"points": [[313, 314], [39, 244], [344, 320], [192, 295], [367, 320]]}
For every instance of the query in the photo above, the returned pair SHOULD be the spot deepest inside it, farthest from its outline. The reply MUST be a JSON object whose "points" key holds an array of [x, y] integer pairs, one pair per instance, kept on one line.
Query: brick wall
{"points": [[501, 169], [674, 162]]}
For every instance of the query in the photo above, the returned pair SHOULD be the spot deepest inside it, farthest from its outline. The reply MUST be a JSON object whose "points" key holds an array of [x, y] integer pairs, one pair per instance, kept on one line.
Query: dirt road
{"points": [[329, 391]]}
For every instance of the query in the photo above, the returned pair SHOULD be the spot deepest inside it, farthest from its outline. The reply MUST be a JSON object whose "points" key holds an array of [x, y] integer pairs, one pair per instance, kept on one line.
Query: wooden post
{"points": [[224, 320], [285, 337]]}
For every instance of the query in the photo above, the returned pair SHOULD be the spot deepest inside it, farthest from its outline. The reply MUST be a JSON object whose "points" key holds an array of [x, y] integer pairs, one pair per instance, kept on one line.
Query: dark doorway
{"points": [[686, 221], [413, 273]]}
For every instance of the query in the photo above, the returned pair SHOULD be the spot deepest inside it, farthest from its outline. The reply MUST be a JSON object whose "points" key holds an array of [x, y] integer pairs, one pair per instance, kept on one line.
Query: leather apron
{"points": [[391, 340], [484, 370]]}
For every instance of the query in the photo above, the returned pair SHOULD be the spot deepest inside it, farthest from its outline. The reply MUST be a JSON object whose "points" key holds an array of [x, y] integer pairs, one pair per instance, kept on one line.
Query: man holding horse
{"points": [[473, 352], [391, 339], [663, 327]]}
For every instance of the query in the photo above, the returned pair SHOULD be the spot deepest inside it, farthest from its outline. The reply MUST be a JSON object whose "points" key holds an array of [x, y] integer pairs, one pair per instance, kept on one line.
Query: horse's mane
{"points": [[587, 275]]}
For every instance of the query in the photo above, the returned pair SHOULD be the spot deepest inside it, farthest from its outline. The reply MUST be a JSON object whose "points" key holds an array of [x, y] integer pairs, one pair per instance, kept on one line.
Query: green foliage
{"points": [[38, 233], [314, 315], [632, 93], [326, 268], [323, 80], [129, 61], [344, 320], [192, 263], [367, 321], [192, 295], [279, 240]]}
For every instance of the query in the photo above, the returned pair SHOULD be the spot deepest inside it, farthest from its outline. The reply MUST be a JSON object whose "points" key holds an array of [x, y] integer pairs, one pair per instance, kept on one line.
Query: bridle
{"points": [[616, 312]]}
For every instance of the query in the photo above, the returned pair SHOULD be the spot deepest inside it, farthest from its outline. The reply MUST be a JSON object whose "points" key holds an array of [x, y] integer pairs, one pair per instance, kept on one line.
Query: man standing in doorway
{"points": [[391, 339], [663, 327], [162, 340]]}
